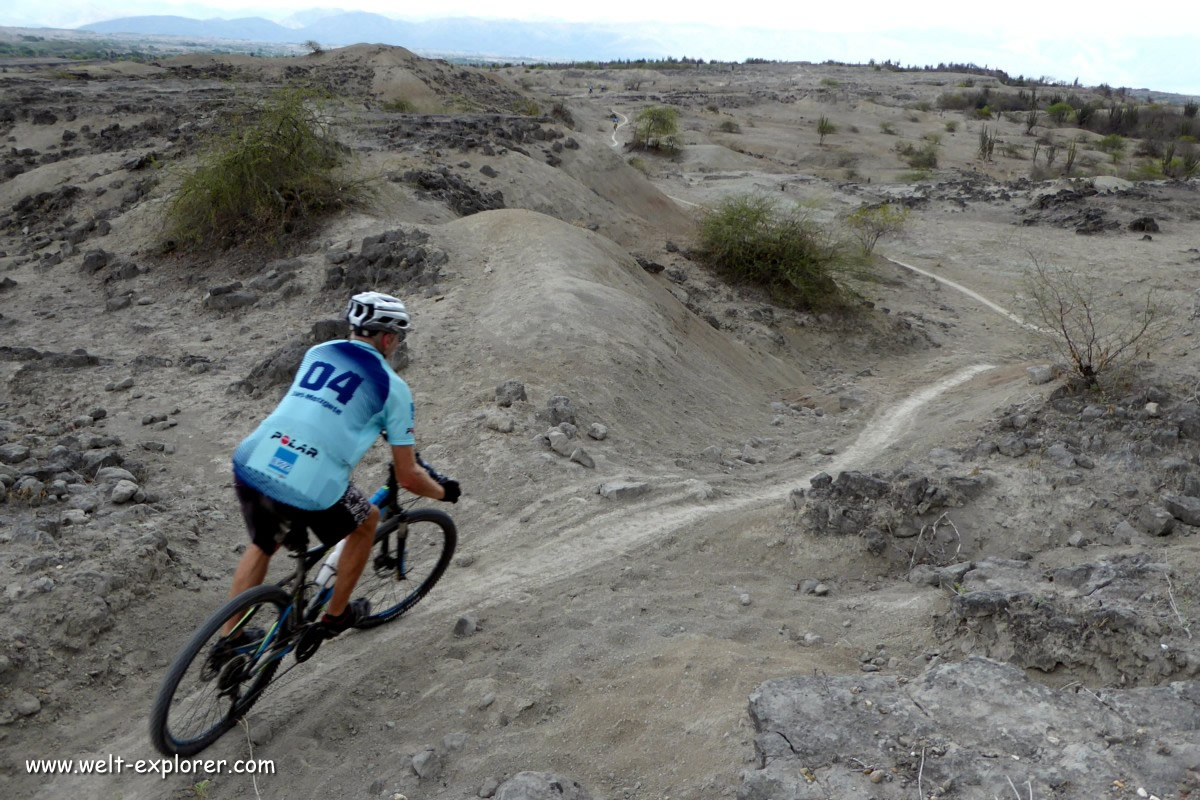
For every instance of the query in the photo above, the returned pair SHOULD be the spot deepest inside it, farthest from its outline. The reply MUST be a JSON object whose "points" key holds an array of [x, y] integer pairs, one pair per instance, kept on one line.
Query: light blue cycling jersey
{"points": [[343, 395]]}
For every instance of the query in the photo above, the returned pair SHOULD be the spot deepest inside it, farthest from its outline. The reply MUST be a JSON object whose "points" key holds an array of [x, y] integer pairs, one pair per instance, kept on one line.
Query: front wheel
{"points": [[210, 686], [411, 552]]}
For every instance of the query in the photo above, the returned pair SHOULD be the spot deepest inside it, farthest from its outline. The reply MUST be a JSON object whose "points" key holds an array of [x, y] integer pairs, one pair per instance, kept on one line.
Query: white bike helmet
{"points": [[375, 311]]}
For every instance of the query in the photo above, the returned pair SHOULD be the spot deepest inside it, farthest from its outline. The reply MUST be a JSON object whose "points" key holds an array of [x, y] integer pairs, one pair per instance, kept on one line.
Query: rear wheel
{"points": [[210, 686], [411, 553]]}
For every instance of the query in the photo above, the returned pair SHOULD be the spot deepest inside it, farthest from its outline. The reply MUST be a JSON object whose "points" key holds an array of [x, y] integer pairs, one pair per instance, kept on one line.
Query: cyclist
{"points": [[296, 465]]}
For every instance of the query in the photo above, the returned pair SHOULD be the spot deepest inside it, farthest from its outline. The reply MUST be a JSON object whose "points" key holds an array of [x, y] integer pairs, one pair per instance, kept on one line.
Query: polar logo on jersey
{"points": [[283, 461], [288, 441]]}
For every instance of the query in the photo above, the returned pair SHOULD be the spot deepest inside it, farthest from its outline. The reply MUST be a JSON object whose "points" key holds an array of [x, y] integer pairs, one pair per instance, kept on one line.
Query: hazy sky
{"points": [[1158, 48]]}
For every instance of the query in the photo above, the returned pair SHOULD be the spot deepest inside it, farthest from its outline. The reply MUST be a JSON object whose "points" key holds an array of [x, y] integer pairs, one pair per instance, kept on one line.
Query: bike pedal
{"points": [[309, 642]]}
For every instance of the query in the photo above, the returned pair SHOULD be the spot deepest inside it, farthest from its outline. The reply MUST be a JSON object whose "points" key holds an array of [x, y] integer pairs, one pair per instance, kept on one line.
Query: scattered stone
{"points": [[95, 260], [812, 640], [561, 410], [1077, 539], [124, 491], [1042, 373], [1144, 225], [541, 786], [624, 490], [1060, 455], [821, 480], [744, 598], [510, 392], [227, 301], [712, 453], [24, 703], [467, 625], [487, 171], [1093, 412], [580, 456], [426, 764], [598, 432], [1152, 409], [1012, 446], [488, 787], [559, 442], [13, 453], [827, 450], [500, 422], [1185, 509]]}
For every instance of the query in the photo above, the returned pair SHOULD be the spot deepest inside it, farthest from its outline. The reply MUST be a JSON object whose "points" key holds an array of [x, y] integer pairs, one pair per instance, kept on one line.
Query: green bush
{"points": [[825, 127], [729, 126], [275, 168], [869, 224], [1060, 112], [951, 126], [922, 158], [887, 128], [749, 240], [527, 107], [657, 128], [401, 105]]}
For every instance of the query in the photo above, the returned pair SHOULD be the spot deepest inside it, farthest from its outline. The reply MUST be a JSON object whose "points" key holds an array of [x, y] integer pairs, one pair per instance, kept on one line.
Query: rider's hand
{"points": [[452, 490]]}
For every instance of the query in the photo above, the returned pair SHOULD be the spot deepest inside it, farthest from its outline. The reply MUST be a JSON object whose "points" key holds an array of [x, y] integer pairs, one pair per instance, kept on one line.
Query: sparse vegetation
{"points": [[887, 128], [729, 126], [919, 158], [657, 128], [399, 105], [750, 240], [1031, 121], [1060, 112], [951, 126], [274, 168], [639, 164], [1097, 332], [314, 47], [527, 107], [987, 143], [871, 223], [825, 127]]}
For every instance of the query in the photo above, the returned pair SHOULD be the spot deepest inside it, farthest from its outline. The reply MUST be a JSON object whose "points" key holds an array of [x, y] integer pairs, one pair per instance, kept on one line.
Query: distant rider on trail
{"points": [[295, 467]]}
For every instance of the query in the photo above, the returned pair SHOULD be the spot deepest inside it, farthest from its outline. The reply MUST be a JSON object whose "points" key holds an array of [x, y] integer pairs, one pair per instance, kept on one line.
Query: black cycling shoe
{"points": [[225, 649], [358, 610]]}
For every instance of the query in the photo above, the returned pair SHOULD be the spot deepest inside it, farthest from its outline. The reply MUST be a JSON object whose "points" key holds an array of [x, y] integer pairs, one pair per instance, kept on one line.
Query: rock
{"points": [[750, 455], [540, 786], [812, 640], [93, 460], [570, 430], [114, 474], [712, 453], [487, 171], [1155, 520], [499, 421], [24, 703], [467, 625], [124, 491], [510, 392], [1092, 412], [1144, 225], [1042, 373], [580, 456], [13, 453], [1185, 509], [1077, 539], [95, 260], [559, 442], [624, 490], [1012, 446], [821, 480], [230, 300], [561, 410], [488, 787], [454, 741], [598, 432], [699, 490], [426, 764], [1060, 455], [744, 598]]}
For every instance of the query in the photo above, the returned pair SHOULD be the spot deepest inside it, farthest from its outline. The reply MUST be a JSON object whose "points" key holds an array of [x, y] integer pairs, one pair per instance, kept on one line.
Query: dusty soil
{"points": [[619, 641]]}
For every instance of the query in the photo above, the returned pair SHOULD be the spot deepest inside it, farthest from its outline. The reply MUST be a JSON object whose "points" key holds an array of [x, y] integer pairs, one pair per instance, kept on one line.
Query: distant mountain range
{"points": [[564, 41]]}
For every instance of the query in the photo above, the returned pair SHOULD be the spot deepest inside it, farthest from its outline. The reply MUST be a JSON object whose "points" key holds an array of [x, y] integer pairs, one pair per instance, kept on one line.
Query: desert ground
{"points": [[1002, 552]]}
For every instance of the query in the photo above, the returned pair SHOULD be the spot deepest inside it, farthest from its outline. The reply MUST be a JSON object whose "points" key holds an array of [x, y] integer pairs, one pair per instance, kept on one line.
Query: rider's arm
{"points": [[412, 477]]}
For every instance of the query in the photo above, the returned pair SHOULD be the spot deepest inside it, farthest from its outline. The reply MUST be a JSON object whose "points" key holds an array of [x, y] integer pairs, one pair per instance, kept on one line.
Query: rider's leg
{"points": [[250, 572], [352, 561]]}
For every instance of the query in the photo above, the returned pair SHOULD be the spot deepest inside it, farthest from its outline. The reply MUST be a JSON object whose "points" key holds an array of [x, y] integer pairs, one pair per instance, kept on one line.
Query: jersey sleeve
{"points": [[398, 415]]}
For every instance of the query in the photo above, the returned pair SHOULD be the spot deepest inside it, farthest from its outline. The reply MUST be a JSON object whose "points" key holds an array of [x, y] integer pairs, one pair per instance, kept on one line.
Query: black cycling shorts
{"points": [[270, 521]]}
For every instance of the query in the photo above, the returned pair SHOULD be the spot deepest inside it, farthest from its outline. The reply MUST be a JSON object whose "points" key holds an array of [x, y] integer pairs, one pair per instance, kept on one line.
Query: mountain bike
{"points": [[210, 686]]}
